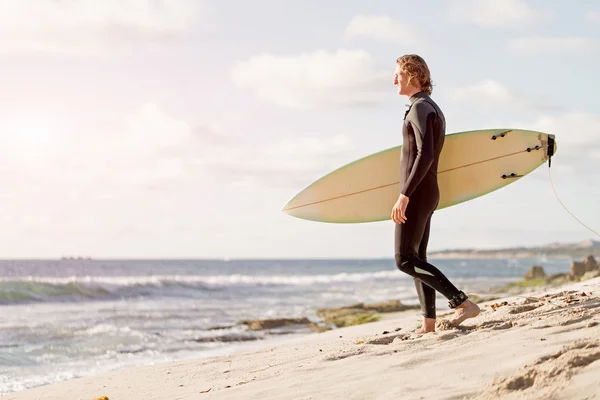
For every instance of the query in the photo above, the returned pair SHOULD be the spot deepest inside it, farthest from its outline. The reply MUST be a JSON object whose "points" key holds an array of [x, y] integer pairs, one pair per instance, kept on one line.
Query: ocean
{"points": [[62, 319]]}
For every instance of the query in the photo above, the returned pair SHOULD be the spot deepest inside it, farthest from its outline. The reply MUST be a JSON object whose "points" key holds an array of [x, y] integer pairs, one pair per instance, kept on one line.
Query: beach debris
{"points": [[498, 305], [385, 332], [102, 398], [206, 391]]}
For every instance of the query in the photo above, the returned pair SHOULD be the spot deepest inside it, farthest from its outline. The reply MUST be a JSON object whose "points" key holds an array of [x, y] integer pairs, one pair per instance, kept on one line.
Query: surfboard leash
{"points": [[550, 154]]}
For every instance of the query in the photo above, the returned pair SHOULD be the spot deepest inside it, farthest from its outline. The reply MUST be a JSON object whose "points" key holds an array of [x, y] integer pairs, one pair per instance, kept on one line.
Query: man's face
{"points": [[400, 80]]}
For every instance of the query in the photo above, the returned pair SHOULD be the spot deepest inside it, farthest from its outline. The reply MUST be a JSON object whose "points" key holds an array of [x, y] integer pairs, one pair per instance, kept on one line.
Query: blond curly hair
{"points": [[416, 68]]}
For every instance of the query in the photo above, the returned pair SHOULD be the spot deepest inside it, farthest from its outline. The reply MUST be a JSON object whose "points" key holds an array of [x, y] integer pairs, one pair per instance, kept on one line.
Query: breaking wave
{"points": [[40, 289]]}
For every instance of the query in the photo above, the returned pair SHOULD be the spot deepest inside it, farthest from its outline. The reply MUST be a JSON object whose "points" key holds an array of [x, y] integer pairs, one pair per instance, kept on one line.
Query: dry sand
{"points": [[543, 345]]}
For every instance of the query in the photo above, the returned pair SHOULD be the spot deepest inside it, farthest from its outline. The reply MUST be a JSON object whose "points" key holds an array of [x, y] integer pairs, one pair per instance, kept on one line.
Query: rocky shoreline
{"points": [[361, 313], [329, 318]]}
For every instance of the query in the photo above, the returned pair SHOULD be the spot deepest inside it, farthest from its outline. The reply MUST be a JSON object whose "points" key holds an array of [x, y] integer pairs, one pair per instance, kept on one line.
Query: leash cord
{"points": [[562, 204]]}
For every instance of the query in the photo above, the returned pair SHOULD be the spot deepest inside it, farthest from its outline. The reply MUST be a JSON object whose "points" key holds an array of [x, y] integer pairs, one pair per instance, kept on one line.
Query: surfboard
{"points": [[472, 164]]}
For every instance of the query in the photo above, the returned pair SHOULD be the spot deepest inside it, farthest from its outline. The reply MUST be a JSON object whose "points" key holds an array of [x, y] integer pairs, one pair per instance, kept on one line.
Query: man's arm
{"points": [[422, 124]]}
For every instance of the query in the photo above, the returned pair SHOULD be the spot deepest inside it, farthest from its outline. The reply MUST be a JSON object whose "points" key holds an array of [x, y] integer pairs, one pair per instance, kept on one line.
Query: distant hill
{"points": [[574, 250]]}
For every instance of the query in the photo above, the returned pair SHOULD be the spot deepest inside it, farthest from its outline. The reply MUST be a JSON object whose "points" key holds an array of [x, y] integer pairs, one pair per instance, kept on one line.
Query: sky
{"points": [[180, 128]]}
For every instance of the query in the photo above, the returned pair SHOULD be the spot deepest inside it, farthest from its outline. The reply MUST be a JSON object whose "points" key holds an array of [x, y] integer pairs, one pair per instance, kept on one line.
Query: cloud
{"points": [[318, 79], [593, 16], [489, 89], [498, 13], [91, 26], [535, 45], [292, 161], [576, 130], [490, 93], [154, 150], [383, 29]]}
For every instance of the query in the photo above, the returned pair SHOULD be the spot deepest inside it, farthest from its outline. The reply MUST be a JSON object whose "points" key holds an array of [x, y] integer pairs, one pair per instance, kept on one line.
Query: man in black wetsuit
{"points": [[423, 135]]}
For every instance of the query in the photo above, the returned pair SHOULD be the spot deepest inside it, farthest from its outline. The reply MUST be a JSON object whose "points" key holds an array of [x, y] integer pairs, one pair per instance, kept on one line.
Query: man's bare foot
{"points": [[467, 309], [428, 325]]}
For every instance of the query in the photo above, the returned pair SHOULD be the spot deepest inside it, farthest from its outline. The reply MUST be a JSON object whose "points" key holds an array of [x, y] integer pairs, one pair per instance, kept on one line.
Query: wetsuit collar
{"points": [[418, 95]]}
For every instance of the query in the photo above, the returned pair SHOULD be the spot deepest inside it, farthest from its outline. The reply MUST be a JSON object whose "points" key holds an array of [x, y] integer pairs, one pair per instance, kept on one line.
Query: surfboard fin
{"points": [[551, 145]]}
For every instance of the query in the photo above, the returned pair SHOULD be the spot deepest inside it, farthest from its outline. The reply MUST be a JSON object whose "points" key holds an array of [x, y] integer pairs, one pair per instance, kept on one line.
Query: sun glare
{"points": [[29, 133]]}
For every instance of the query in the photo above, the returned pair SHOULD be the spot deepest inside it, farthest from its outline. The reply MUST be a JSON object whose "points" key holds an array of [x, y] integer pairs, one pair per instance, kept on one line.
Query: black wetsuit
{"points": [[423, 135]]}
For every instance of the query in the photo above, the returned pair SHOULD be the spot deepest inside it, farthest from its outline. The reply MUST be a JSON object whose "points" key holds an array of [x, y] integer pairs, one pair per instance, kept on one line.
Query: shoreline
{"points": [[57, 345], [350, 362]]}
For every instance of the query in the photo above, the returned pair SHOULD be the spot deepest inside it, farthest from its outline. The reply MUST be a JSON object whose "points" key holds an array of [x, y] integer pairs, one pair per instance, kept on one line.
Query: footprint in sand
{"points": [[524, 308], [444, 325], [547, 373], [560, 294], [495, 325], [344, 354], [388, 339]]}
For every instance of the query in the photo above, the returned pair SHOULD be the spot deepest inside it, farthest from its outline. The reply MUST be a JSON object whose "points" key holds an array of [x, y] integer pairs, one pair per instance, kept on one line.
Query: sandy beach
{"points": [[541, 345]]}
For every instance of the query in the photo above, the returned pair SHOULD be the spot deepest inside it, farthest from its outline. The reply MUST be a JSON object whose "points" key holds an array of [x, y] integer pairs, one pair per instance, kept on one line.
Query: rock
{"points": [[260, 324], [383, 307], [590, 275], [388, 306], [216, 328], [318, 328], [556, 278], [577, 269], [226, 339], [354, 319], [360, 313], [591, 264], [536, 272]]}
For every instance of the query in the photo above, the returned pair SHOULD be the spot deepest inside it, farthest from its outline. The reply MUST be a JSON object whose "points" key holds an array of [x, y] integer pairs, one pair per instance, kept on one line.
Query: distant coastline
{"points": [[569, 250], [552, 250]]}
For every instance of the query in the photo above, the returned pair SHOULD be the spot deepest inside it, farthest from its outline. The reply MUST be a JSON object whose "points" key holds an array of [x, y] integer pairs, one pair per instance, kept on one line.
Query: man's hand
{"points": [[399, 210]]}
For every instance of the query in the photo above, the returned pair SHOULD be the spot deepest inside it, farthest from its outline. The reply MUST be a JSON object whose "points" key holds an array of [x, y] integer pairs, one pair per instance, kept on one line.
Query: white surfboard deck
{"points": [[472, 164]]}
